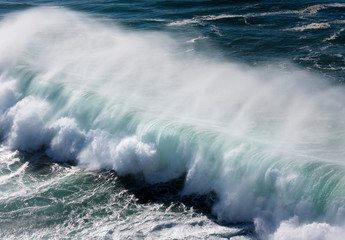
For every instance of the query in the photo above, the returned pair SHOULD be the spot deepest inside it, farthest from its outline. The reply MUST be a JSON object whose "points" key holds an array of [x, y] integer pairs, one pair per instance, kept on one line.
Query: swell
{"points": [[268, 142]]}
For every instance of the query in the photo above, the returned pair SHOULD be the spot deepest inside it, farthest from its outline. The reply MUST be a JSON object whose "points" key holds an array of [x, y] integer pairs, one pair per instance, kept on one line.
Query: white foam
{"points": [[5, 178], [334, 35], [125, 156], [221, 16], [23, 125], [195, 39], [67, 142], [311, 10], [184, 22], [293, 230], [154, 20], [199, 19], [173, 226], [310, 26]]}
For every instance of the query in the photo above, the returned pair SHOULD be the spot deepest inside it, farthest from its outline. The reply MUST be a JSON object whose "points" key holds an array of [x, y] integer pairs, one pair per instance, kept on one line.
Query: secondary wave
{"points": [[268, 142]]}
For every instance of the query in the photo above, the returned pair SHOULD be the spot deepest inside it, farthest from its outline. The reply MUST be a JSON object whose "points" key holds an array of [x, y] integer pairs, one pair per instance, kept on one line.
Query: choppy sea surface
{"points": [[172, 119]]}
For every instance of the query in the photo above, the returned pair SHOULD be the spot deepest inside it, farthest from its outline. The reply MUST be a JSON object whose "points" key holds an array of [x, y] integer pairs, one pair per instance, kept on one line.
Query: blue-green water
{"points": [[172, 120]]}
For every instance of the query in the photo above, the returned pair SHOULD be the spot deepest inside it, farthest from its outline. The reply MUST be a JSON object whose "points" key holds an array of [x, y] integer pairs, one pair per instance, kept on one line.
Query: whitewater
{"points": [[86, 95]]}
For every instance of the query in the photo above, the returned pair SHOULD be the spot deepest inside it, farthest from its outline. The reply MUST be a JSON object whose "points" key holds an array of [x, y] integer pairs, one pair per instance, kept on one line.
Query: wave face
{"points": [[268, 142]]}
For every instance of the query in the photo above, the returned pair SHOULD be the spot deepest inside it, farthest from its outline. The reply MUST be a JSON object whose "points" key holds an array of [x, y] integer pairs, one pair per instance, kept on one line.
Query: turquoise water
{"points": [[171, 120]]}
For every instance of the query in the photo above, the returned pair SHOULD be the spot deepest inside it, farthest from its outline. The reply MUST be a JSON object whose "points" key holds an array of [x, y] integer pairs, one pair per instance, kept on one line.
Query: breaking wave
{"points": [[268, 142]]}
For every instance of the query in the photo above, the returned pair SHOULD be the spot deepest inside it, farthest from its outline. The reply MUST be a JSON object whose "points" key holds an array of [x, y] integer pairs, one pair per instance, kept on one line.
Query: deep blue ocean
{"points": [[172, 119]]}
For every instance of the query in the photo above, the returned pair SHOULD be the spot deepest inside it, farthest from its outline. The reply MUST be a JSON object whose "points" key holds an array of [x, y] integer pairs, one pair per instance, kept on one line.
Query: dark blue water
{"points": [[172, 119]]}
